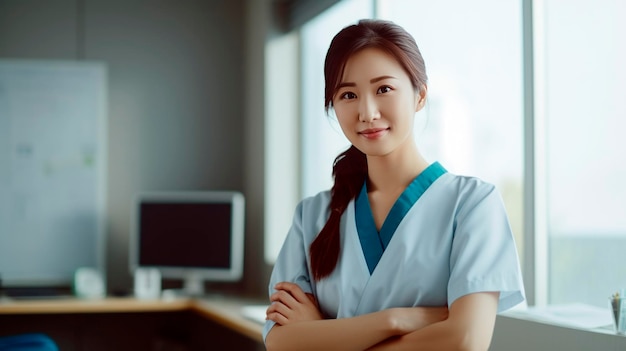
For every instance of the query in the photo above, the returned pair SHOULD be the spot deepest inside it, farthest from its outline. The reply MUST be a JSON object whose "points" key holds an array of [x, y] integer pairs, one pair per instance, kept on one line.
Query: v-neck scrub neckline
{"points": [[373, 242]]}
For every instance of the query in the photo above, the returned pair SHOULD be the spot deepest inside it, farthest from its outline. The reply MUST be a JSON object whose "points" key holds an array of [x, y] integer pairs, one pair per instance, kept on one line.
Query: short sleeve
{"points": [[291, 264], [484, 256]]}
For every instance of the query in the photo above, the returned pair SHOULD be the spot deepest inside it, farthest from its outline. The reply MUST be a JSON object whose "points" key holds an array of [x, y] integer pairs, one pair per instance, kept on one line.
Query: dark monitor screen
{"points": [[185, 235], [190, 235]]}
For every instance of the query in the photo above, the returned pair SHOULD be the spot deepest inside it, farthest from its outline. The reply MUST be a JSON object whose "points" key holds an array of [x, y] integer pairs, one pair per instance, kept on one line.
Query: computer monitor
{"points": [[194, 236]]}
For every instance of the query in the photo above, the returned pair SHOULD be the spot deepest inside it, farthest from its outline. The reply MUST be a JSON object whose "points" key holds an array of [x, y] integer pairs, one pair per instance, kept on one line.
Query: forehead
{"points": [[370, 63]]}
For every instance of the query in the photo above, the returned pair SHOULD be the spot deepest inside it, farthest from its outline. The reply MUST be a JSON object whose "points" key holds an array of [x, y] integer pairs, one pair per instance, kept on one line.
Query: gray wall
{"points": [[177, 111]]}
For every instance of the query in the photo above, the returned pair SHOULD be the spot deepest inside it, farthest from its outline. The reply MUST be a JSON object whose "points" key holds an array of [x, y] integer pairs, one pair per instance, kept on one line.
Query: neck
{"points": [[396, 170]]}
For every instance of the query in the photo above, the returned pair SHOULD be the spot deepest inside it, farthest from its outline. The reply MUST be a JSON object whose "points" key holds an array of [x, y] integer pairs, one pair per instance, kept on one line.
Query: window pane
{"points": [[584, 55], [473, 120]]}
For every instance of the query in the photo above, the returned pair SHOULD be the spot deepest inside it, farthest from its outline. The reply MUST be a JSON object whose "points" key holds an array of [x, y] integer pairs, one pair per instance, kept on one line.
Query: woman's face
{"points": [[376, 103]]}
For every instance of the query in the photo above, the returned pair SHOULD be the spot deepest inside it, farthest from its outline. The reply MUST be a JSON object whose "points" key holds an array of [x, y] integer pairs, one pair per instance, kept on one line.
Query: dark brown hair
{"points": [[350, 167]]}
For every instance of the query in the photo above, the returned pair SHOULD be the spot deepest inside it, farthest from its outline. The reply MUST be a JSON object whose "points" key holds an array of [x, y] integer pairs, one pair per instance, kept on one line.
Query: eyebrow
{"points": [[373, 80]]}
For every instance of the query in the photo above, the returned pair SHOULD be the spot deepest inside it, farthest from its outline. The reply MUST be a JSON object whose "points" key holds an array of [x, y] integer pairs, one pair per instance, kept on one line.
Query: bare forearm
{"points": [[469, 327], [356, 333], [438, 336]]}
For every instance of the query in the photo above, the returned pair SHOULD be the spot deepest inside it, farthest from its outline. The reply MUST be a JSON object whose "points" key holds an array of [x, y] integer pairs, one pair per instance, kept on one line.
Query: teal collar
{"points": [[374, 243]]}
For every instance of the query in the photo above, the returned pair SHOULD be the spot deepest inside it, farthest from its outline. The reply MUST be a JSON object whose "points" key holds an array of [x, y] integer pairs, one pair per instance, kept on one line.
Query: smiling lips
{"points": [[374, 133]]}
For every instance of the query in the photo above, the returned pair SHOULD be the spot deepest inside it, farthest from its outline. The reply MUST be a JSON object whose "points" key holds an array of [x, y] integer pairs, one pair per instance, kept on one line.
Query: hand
{"points": [[409, 319], [290, 305]]}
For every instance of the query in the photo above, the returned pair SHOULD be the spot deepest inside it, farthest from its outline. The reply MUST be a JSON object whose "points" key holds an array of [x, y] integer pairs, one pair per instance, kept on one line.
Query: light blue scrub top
{"points": [[447, 236]]}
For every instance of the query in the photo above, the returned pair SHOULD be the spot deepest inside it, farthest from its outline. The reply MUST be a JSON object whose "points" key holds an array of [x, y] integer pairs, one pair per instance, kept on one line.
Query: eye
{"points": [[384, 89], [348, 95]]}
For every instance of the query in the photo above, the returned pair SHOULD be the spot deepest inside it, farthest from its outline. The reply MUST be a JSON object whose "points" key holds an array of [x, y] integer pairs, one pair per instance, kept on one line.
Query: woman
{"points": [[400, 254]]}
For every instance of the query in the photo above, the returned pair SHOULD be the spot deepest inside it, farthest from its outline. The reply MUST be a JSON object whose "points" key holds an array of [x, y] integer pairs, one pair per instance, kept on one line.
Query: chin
{"points": [[375, 151]]}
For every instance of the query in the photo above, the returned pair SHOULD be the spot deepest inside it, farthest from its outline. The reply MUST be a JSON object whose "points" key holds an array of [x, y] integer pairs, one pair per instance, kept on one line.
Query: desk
{"points": [[87, 322], [228, 314]]}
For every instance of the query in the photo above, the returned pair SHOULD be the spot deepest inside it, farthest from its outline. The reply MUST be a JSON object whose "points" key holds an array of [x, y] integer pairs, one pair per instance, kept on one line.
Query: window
{"points": [[581, 53]]}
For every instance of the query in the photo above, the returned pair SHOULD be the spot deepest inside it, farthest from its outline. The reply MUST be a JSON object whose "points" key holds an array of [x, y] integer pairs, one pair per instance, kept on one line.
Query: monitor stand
{"points": [[193, 285]]}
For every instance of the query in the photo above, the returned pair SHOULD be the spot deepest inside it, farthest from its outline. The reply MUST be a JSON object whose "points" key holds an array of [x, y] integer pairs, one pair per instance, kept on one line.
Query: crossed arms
{"points": [[467, 325]]}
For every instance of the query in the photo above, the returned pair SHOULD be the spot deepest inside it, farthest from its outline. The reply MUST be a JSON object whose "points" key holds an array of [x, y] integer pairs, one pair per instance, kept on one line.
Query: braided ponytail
{"points": [[350, 171]]}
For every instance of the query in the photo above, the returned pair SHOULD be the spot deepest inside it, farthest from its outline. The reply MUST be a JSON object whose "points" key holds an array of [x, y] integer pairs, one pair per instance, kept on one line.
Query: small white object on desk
{"points": [[88, 283], [147, 283], [255, 312]]}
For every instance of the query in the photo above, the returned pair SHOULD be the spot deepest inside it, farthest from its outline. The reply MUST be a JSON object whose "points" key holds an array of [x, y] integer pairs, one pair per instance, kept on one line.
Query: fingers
{"points": [[283, 314], [290, 304], [294, 290], [277, 312], [278, 318], [284, 297]]}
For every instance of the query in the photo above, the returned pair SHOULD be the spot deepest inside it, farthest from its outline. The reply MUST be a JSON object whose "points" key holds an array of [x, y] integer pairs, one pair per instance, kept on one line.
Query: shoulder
{"points": [[312, 212], [464, 186], [466, 192], [319, 201]]}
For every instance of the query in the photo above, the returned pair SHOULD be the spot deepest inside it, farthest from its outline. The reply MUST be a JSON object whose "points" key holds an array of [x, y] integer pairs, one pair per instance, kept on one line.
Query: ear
{"points": [[420, 98]]}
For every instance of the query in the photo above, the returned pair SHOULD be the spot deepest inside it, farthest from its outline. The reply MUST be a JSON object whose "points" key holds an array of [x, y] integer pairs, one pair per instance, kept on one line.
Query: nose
{"points": [[368, 110]]}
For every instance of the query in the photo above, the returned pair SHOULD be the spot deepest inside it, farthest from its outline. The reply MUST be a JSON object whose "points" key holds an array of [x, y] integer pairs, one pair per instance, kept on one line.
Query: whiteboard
{"points": [[52, 170]]}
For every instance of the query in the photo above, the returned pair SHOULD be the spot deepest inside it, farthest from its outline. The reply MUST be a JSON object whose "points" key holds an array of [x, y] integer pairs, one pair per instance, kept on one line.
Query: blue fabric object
{"points": [[27, 342]]}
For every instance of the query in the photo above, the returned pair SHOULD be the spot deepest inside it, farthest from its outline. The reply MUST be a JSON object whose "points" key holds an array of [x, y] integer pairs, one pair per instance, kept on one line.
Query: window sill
{"points": [[572, 327]]}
